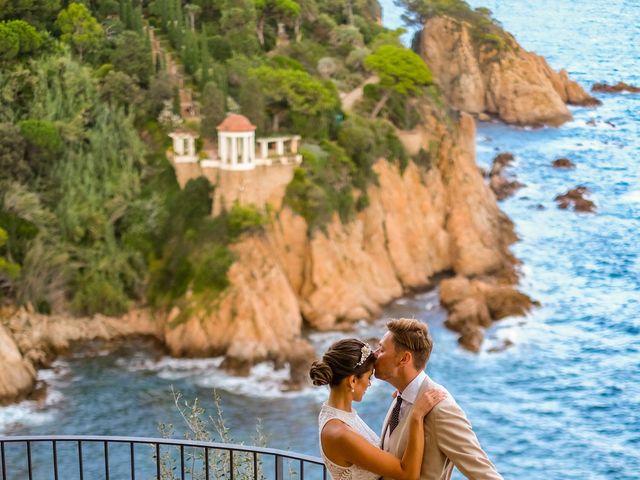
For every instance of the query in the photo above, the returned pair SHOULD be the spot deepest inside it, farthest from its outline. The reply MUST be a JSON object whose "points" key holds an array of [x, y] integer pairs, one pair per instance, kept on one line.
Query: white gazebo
{"points": [[184, 146], [236, 143]]}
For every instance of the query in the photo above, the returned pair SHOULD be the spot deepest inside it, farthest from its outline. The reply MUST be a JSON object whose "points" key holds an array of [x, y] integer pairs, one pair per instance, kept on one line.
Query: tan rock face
{"points": [[17, 375], [520, 87], [418, 223], [29, 340], [474, 304]]}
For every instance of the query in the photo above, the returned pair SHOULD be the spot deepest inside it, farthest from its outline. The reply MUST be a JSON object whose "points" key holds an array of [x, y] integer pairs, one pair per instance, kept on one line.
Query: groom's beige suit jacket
{"points": [[449, 442]]}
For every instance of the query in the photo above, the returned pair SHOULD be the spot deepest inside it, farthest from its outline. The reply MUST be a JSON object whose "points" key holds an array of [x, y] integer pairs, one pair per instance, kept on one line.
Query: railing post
{"points": [[55, 459], [80, 459], [255, 466], [4, 466], [206, 463], [133, 461], [279, 468], [230, 464], [182, 462], [29, 459], [106, 460], [157, 461]]}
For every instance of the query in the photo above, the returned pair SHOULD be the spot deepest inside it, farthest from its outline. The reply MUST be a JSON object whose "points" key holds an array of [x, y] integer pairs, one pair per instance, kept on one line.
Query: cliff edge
{"points": [[494, 75], [420, 222]]}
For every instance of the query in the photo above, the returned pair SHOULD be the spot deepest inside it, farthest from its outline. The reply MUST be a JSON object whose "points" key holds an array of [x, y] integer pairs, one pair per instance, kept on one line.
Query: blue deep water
{"points": [[564, 401]]}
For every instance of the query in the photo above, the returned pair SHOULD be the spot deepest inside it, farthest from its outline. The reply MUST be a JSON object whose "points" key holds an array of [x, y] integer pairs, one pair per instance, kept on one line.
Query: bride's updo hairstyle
{"points": [[344, 358]]}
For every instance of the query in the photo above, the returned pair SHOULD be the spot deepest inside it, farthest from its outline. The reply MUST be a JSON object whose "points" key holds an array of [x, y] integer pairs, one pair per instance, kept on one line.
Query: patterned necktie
{"points": [[395, 415]]}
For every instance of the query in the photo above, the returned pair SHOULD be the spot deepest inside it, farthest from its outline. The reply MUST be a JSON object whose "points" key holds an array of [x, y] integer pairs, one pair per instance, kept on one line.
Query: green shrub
{"points": [[211, 273], [241, 219], [321, 186]]}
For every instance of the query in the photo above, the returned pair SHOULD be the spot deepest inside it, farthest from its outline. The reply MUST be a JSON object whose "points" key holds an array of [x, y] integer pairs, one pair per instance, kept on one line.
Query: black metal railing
{"points": [[101, 457]]}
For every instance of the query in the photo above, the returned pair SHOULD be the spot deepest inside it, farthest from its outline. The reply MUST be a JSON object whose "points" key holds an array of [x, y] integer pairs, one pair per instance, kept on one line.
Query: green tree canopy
{"points": [[17, 37], [294, 90], [44, 144], [79, 28], [213, 109], [40, 13], [133, 57], [400, 70], [9, 43], [13, 165]]}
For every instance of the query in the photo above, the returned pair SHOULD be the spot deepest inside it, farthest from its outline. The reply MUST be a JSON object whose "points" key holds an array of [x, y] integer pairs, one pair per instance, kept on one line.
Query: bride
{"points": [[349, 448]]}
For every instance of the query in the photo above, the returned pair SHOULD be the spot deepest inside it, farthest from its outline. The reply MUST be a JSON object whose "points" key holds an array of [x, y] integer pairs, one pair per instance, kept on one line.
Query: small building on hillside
{"points": [[240, 170]]}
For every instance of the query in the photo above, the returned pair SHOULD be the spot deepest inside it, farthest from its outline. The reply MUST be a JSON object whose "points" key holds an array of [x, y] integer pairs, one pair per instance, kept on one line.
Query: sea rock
{"points": [[472, 338], [501, 161], [17, 375], [617, 88], [503, 300], [41, 337], [517, 86], [575, 198], [504, 345], [563, 163], [502, 186], [472, 305]]}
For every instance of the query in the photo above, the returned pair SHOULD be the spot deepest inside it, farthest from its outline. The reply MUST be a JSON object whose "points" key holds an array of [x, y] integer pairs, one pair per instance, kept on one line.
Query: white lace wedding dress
{"points": [[352, 419]]}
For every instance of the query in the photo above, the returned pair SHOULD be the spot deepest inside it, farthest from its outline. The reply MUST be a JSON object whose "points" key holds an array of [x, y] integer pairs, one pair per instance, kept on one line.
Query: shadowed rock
{"points": [[502, 186], [510, 83], [474, 304], [575, 198], [617, 88], [563, 163]]}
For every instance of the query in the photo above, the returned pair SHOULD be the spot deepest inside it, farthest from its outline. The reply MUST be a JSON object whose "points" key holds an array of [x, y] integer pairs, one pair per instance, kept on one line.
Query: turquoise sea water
{"points": [[564, 401]]}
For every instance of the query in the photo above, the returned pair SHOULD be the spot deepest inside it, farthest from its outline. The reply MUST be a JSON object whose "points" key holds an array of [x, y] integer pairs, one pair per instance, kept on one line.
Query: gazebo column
{"points": [[177, 145], [280, 147], [264, 149], [192, 146], [252, 148], [245, 149], [224, 149], [294, 145], [234, 150]]}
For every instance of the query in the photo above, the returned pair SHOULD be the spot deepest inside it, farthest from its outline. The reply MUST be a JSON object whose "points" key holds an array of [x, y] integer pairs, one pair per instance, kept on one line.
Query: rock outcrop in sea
{"points": [[513, 84], [29, 341]]}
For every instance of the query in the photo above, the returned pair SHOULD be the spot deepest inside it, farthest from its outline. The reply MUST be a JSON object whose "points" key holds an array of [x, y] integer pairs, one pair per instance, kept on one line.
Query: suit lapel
{"points": [[385, 426], [399, 441]]}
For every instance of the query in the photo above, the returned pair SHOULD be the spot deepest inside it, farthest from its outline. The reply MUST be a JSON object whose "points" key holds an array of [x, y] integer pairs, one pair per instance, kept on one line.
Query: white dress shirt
{"points": [[409, 395]]}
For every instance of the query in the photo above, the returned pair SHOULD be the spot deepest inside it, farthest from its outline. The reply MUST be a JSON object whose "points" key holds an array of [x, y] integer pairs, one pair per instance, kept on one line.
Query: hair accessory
{"points": [[365, 351]]}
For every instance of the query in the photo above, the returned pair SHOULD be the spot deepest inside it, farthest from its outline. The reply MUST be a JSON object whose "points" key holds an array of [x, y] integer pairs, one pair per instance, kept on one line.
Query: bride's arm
{"points": [[343, 445]]}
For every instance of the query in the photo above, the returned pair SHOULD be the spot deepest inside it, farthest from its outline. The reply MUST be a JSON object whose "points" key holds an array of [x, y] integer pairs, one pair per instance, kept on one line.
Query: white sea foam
{"points": [[31, 412], [631, 197], [24, 413], [264, 380]]}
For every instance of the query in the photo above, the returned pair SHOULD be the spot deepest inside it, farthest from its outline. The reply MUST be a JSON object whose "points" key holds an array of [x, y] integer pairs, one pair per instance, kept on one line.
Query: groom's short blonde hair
{"points": [[412, 335]]}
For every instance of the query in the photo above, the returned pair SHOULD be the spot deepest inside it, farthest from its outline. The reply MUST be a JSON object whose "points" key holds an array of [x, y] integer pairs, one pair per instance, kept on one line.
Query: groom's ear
{"points": [[406, 358]]}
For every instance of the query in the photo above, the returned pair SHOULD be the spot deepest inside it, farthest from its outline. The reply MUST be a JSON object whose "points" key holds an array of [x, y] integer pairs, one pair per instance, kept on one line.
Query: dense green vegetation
{"points": [[91, 216], [486, 32]]}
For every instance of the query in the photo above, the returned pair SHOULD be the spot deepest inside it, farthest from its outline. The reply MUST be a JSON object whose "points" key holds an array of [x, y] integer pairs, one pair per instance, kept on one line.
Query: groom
{"points": [[401, 357]]}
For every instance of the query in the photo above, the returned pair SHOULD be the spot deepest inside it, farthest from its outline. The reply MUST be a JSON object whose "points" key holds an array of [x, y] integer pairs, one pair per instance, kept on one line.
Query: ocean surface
{"points": [[564, 401]]}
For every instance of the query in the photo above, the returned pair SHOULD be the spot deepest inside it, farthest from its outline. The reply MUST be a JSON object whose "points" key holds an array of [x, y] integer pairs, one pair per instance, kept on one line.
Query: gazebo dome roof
{"points": [[236, 123]]}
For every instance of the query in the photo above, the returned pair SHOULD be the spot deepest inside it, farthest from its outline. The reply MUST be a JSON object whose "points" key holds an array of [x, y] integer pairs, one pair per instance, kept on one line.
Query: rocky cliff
{"points": [[517, 86], [420, 222], [29, 341]]}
